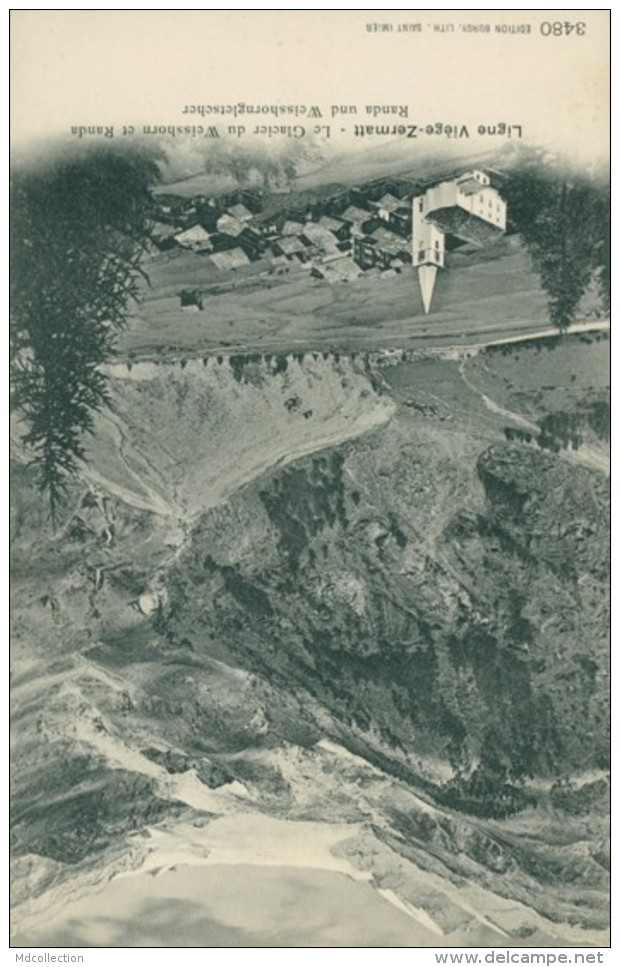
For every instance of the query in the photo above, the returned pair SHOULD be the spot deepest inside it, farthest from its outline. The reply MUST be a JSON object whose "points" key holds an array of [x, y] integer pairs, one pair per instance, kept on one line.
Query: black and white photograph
{"points": [[310, 424]]}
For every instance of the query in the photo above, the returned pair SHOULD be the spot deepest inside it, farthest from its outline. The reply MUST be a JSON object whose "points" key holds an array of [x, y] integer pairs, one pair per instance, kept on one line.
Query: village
{"points": [[378, 229]]}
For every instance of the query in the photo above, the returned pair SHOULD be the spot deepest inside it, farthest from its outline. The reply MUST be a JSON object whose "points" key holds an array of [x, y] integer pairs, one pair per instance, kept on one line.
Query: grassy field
{"points": [[251, 310], [551, 375]]}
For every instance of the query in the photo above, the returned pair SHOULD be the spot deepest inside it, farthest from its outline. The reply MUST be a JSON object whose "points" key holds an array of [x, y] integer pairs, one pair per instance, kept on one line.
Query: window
{"points": [[421, 205]]}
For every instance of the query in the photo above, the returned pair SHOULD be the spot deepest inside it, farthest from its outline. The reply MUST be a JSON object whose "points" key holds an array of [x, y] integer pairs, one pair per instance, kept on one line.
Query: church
{"points": [[466, 208]]}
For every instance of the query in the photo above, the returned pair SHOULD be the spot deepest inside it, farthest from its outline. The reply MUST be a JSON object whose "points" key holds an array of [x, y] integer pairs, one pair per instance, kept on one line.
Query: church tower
{"points": [[428, 250]]}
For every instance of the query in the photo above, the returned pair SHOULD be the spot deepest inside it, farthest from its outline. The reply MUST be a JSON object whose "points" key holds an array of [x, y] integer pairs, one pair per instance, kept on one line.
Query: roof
{"points": [[390, 202], [290, 244], [471, 187], [162, 230], [232, 258], [388, 241], [456, 221], [291, 227], [341, 270], [355, 214], [229, 225], [194, 237], [241, 212], [331, 224], [319, 235]]}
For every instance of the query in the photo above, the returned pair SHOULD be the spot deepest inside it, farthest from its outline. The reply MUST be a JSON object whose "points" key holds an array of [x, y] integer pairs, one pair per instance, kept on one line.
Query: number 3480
{"points": [[562, 28]]}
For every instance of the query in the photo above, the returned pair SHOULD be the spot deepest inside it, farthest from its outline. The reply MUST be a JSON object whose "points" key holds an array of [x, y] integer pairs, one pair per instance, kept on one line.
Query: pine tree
{"points": [[561, 217], [78, 231]]}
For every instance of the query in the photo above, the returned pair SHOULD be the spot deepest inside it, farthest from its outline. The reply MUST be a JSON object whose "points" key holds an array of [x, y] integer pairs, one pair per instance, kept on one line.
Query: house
{"points": [[286, 215], [292, 246], [335, 204], [339, 229], [341, 270], [290, 227], [394, 212], [222, 243], [250, 198], [169, 208], [400, 220], [240, 212], [197, 239], [360, 220], [191, 299], [162, 235], [251, 242], [229, 225], [381, 249], [208, 213], [466, 207], [319, 236], [386, 204], [390, 243], [368, 255], [229, 259], [379, 188]]}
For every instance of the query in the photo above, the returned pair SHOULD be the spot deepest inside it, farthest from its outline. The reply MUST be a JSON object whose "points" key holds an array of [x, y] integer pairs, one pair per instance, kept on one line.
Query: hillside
{"points": [[320, 624]]}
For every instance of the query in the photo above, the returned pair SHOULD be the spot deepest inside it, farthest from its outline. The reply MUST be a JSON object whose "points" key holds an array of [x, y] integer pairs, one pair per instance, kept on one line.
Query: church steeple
{"points": [[426, 278], [467, 208]]}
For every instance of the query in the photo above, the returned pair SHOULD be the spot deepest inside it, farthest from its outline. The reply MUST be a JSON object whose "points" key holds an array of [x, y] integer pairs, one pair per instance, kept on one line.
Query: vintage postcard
{"points": [[310, 454]]}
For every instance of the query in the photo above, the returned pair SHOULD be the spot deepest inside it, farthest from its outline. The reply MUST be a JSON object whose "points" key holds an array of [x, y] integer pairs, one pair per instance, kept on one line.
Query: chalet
{"points": [[336, 204], [368, 255], [191, 299], [251, 242], [378, 189], [290, 227], [196, 239], [292, 246], [169, 208], [400, 220], [229, 225], [162, 235], [340, 230], [466, 207], [185, 215], [394, 213], [341, 270], [250, 198], [240, 212], [223, 243], [319, 236], [391, 244], [360, 220], [286, 215], [208, 213], [382, 249], [358, 197], [230, 259], [386, 204]]}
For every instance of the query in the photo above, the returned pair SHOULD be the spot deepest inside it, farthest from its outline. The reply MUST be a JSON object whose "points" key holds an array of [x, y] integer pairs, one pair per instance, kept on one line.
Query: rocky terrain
{"points": [[339, 612]]}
